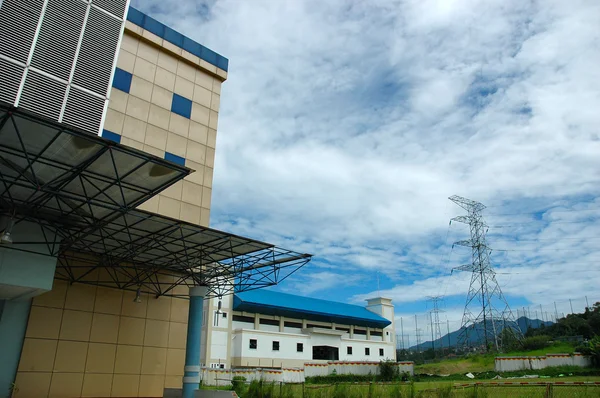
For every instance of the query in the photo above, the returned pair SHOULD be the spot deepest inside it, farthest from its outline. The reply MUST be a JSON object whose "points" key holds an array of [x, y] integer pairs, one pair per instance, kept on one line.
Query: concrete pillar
{"points": [[191, 378], [256, 322], [368, 333], [351, 331], [281, 324]]}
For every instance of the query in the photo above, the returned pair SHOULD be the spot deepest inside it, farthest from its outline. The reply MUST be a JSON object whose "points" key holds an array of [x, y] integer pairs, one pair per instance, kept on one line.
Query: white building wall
{"points": [[287, 345]]}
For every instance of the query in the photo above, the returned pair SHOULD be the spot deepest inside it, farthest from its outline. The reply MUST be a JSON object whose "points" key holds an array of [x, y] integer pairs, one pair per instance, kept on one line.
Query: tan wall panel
{"points": [[128, 359], [156, 333], [105, 328], [66, 385], [151, 386], [175, 361], [76, 325], [101, 358], [97, 385], [32, 385], [131, 331], [81, 297], [159, 308], [54, 298], [154, 361], [125, 385], [38, 355], [71, 356], [44, 322]]}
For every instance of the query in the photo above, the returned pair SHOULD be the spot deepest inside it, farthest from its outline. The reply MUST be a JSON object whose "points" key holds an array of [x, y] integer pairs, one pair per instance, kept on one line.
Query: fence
{"points": [[515, 363], [223, 377]]}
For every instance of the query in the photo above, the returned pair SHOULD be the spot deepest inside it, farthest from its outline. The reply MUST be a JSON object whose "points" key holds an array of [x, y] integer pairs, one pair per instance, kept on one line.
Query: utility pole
{"points": [[555, 313], [434, 314], [432, 338], [587, 304], [402, 331], [448, 334], [484, 291], [570, 302], [417, 333]]}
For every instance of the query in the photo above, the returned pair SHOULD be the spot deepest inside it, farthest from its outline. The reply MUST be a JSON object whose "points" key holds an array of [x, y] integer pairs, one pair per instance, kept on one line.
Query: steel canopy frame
{"points": [[82, 192], [153, 253], [55, 172]]}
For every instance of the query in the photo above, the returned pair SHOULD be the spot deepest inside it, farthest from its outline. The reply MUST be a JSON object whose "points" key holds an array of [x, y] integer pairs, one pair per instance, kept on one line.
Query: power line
{"points": [[549, 210]]}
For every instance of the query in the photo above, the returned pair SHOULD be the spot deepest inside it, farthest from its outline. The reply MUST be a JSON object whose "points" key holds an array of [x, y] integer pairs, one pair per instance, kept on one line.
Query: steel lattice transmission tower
{"points": [[487, 313], [435, 318]]}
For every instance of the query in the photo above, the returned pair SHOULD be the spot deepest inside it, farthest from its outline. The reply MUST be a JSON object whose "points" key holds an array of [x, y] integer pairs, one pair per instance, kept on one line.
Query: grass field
{"points": [[422, 390], [482, 363]]}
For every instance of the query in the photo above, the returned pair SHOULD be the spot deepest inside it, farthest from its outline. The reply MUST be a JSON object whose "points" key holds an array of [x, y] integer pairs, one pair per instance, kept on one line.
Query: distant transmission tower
{"points": [[486, 311], [435, 318]]}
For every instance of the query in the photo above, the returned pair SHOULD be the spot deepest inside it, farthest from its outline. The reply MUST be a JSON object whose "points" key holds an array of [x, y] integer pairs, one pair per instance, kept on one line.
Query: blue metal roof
{"points": [[269, 302], [163, 31]]}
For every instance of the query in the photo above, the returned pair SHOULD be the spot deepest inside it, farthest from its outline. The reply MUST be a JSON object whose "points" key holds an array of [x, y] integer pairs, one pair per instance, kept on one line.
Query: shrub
{"points": [[388, 370], [536, 342], [238, 384]]}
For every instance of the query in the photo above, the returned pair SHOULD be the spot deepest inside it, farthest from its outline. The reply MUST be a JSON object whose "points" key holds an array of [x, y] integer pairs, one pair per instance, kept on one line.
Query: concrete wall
{"points": [[83, 340], [223, 377], [516, 363], [141, 115]]}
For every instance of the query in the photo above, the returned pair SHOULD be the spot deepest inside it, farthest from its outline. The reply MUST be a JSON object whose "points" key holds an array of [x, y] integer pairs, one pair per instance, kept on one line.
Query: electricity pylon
{"points": [[486, 308], [435, 318]]}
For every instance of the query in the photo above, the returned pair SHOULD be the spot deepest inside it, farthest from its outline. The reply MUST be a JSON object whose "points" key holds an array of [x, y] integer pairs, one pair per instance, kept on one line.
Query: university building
{"points": [[268, 329], [109, 274]]}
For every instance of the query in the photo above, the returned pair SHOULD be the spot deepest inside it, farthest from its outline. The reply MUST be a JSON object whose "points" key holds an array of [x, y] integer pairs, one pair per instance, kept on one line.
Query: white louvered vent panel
{"points": [[97, 53], [83, 110], [56, 45], [115, 7], [18, 23], [42, 95], [10, 78]]}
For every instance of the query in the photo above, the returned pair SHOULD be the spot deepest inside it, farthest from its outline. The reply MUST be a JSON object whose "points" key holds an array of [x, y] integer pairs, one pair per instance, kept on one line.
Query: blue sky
{"points": [[345, 126]]}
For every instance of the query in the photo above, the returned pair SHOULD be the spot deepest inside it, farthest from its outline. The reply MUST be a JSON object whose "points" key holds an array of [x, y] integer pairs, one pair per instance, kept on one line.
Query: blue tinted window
{"points": [[173, 37], [109, 135], [152, 25], [209, 55], [181, 106], [192, 47], [135, 16], [122, 80], [174, 158], [222, 62]]}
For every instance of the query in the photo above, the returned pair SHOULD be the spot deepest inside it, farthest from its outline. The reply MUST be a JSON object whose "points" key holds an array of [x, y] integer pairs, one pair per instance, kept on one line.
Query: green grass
{"points": [[433, 389], [484, 363]]}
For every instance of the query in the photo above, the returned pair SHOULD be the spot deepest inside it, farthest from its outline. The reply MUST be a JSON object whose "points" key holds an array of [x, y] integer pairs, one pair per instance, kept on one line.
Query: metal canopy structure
{"points": [[82, 191]]}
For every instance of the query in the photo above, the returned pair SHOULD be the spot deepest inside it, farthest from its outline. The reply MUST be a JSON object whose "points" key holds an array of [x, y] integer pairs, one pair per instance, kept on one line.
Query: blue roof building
{"points": [[269, 302], [265, 328]]}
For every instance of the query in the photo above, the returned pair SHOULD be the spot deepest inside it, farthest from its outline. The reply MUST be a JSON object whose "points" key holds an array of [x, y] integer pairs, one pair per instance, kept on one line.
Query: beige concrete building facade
{"points": [[89, 341]]}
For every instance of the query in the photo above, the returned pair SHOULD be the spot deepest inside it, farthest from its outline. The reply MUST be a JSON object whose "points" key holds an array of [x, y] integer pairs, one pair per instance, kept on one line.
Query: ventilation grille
{"points": [[97, 53], [56, 45], [83, 110], [18, 23], [10, 78], [115, 7], [42, 95]]}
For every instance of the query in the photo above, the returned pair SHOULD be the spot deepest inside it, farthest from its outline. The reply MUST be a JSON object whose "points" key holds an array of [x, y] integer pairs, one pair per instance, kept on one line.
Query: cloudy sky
{"points": [[346, 125]]}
